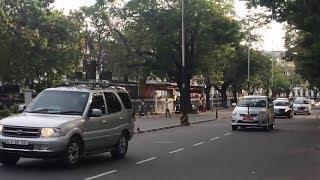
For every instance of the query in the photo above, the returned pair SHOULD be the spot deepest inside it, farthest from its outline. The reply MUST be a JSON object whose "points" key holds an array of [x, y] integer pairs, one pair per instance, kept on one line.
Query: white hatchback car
{"points": [[253, 111]]}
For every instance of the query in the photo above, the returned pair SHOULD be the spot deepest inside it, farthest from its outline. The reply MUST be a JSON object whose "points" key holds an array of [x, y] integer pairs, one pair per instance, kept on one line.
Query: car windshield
{"points": [[281, 103], [301, 101], [59, 102], [252, 102]]}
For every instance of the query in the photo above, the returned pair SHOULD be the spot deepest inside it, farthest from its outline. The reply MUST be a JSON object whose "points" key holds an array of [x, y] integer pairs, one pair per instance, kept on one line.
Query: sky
{"points": [[272, 36]]}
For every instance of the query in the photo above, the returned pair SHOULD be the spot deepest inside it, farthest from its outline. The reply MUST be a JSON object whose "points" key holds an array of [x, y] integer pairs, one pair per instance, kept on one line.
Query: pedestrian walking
{"points": [[168, 115], [142, 108]]}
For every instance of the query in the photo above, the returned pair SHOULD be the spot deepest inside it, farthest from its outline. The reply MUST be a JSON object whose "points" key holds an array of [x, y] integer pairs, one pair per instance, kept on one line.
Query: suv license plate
{"points": [[17, 142]]}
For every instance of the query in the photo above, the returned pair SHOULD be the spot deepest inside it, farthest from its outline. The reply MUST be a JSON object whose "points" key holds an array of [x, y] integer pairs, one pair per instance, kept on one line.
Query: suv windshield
{"points": [[59, 102], [301, 101], [281, 103], [252, 102]]}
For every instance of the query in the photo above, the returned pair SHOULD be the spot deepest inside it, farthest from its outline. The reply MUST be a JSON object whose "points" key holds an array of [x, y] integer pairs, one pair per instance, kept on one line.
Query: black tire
{"points": [[72, 153], [234, 127], [121, 148], [271, 126], [9, 159]]}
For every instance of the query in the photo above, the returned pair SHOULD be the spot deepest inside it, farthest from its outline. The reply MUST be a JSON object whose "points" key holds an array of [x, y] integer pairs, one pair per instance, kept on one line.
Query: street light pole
{"points": [[184, 118], [249, 63]]}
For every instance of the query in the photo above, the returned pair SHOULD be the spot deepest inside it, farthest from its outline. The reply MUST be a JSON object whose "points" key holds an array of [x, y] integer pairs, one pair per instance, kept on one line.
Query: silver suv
{"points": [[67, 123]]}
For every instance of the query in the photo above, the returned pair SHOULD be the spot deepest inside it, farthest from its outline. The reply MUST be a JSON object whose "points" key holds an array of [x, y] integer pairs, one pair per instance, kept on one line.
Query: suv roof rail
{"points": [[93, 84]]}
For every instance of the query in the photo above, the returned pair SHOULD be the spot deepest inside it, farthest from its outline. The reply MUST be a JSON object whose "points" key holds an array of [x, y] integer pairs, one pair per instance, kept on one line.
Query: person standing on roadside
{"points": [[168, 115]]}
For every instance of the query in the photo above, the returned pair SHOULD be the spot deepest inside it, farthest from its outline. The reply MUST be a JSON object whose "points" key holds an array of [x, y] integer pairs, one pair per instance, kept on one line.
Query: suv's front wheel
{"points": [[72, 153], [121, 148], [9, 159]]}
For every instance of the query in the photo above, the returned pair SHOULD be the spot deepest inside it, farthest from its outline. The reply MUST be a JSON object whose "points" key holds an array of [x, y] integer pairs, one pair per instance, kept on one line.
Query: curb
{"points": [[176, 126]]}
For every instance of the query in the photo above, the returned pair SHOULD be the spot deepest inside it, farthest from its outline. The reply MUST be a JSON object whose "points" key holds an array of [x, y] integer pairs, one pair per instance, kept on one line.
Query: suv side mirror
{"points": [[95, 113], [22, 108]]}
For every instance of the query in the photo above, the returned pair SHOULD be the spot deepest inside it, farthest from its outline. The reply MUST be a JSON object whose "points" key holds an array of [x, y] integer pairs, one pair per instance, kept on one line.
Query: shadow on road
{"points": [[45, 166], [258, 129]]}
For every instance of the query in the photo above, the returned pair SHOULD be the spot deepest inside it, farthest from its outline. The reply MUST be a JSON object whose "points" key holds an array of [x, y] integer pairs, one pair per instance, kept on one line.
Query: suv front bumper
{"points": [[36, 148]]}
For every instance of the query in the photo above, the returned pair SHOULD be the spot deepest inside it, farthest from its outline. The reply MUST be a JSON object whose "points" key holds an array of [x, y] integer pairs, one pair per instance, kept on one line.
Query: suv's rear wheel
{"points": [[72, 153], [9, 159], [121, 148]]}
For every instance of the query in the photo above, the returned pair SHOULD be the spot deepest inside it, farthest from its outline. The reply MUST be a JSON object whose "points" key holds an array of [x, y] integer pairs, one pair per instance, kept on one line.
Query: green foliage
{"points": [[38, 45], [4, 113], [303, 40]]}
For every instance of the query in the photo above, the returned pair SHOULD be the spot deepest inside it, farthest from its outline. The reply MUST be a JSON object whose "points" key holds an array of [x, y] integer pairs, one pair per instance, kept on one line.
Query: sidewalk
{"points": [[146, 123]]}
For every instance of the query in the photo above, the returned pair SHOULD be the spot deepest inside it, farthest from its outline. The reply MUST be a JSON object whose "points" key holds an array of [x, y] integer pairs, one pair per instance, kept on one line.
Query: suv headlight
{"points": [[50, 132], [1, 128]]}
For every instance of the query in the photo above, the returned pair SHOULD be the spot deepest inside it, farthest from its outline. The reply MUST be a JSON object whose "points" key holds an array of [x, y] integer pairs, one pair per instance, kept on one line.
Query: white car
{"points": [[301, 106], [283, 99], [312, 102], [253, 111]]}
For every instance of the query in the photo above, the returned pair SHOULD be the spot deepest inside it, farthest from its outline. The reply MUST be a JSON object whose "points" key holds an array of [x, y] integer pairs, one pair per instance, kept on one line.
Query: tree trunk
{"points": [[207, 93], [224, 98], [235, 96], [315, 93]]}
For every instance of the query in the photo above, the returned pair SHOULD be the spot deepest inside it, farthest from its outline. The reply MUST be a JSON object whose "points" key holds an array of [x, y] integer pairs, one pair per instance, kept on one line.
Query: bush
{"points": [[14, 109], [4, 113]]}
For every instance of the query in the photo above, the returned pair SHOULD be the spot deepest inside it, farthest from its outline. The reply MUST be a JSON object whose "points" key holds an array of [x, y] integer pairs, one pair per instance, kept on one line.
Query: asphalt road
{"points": [[202, 151]]}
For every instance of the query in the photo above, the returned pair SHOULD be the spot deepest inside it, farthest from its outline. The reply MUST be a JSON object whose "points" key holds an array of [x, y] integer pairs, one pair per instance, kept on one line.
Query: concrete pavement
{"points": [[146, 123], [202, 151]]}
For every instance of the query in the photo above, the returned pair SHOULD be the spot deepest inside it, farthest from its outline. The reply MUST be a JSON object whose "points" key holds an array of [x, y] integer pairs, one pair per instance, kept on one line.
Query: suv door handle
{"points": [[104, 121]]}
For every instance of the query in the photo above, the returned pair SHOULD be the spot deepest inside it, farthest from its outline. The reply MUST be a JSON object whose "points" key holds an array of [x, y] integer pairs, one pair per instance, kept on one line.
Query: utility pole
{"points": [[184, 118]]}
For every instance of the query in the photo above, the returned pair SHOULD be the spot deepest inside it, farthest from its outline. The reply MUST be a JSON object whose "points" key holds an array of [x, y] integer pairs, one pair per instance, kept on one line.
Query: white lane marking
{"points": [[198, 144], [214, 138], [227, 134], [146, 160], [100, 175], [175, 151]]}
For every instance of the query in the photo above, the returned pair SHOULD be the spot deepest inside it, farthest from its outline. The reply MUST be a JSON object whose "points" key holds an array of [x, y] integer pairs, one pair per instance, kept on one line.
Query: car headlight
{"points": [[50, 132], [1, 128]]}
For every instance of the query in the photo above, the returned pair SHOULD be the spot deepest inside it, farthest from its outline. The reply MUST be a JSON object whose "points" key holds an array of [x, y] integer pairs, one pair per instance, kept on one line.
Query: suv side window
{"points": [[113, 103], [98, 102], [125, 100]]}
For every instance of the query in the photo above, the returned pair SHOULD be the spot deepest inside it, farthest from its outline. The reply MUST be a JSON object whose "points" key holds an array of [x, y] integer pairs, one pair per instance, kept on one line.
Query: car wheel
{"points": [[9, 159], [121, 148], [72, 153], [234, 127], [271, 126]]}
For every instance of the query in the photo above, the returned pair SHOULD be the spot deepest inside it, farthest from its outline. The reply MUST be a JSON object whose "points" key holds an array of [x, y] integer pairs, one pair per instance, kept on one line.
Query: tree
{"points": [[303, 19], [153, 33], [39, 46]]}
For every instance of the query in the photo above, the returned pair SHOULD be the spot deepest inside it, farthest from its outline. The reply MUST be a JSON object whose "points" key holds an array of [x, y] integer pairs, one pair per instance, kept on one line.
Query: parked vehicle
{"points": [[283, 108], [253, 111], [284, 99], [67, 123], [301, 106], [312, 103]]}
